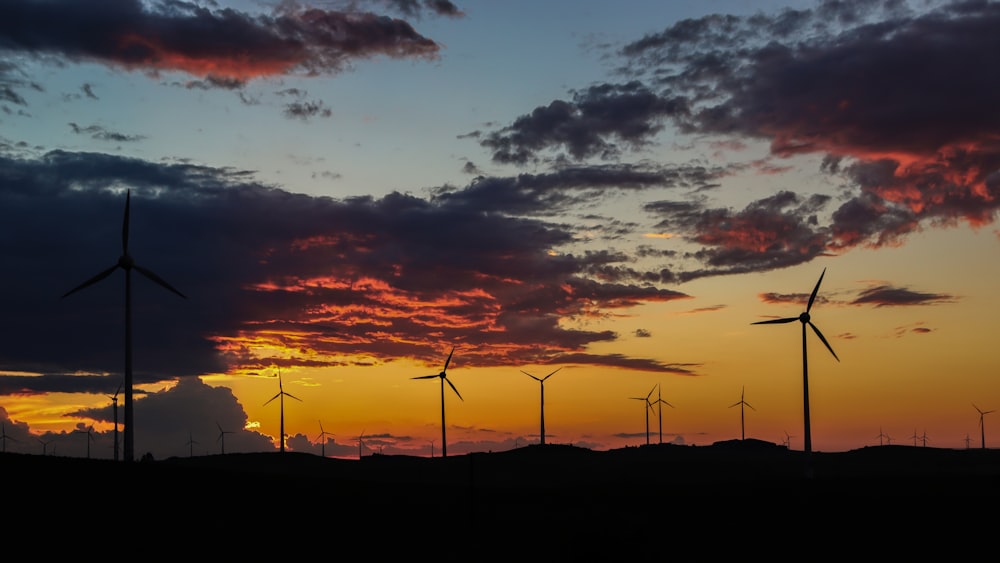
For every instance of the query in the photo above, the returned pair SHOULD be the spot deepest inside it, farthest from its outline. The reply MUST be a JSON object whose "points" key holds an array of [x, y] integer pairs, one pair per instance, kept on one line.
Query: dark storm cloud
{"points": [[221, 44], [899, 105], [382, 278]]}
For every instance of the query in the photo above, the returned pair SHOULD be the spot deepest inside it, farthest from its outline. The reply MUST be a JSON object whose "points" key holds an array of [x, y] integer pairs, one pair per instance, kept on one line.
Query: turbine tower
{"points": [[127, 264], [659, 402], [322, 436], [806, 319], [281, 396], [542, 384], [222, 438], [648, 407], [982, 427], [114, 405], [742, 403], [443, 376]]}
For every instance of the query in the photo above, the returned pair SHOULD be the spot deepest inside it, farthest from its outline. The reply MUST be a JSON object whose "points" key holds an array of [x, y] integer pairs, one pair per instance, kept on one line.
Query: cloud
{"points": [[894, 102], [220, 44]]}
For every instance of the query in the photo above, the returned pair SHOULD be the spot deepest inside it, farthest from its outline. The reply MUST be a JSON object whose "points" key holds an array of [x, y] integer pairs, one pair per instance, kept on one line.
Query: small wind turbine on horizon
{"points": [[443, 376], [5, 437], [45, 445], [659, 402], [322, 437], [647, 406], [127, 263], [806, 319], [281, 396], [742, 404], [90, 437], [222, 438], [361, 443], [190, 444], [881, 435], [114, 406], [541, 382], [982, 426]]}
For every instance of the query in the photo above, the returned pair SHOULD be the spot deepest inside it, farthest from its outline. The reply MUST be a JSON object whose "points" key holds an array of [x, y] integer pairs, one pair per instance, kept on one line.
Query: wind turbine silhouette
{"points": [[742, 404], [982, 427], [361, 443], [322, 436], [127, 263], [222, 437], [190, 444], [881, 435], [443, 376], [5, 437], [114, 404], [90, 438], [805, 319], [542, 385], [45, 445], [281, 396], [915, 437], [659, 414], [788, 439], [648, 407]]}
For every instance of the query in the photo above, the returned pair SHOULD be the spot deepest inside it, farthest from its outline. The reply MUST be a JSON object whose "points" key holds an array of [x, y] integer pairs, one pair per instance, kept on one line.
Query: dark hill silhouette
{"points": [[579, 497]]}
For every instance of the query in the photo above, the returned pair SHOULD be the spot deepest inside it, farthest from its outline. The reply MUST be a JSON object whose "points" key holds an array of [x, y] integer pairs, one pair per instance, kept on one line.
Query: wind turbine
{"points": [[915, 437], [361, 443], [542, 385], [90, 438], [222, 437], [322, 436], [127, 263], [742, 404], [881, 435], [281, 396], [190, 444], [805, 319], [443, 376], [5, 437], [45, 444], [648, 407], [114, 404], [982, 427], [659, 414]]}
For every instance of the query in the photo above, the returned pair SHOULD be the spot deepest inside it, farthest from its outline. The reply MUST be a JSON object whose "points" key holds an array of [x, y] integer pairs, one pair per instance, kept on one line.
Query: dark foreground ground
{"points": [[566, 502]]}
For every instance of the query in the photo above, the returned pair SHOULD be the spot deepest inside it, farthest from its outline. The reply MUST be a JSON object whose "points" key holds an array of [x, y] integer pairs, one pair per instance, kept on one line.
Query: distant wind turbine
{"points": [[648, 406], [915, 437], [659, 402], [127, 263], [281, 396], [742, 404], [982, 427], [114, 404], [190, 444], [924, 438], [361, 443], [322, 437], [542, 385], [45, 445], [90, 438], [5, 437], [805, 319], [881, 435], [443, 376], [788, 440], [222, 438]]}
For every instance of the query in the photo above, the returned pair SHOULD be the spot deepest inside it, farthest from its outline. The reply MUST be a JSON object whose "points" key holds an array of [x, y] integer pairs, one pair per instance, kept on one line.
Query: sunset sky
{"points": [[346, 191]]}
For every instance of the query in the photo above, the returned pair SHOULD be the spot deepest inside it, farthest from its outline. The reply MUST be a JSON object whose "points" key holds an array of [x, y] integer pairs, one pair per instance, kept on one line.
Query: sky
{"points": [[346, 194]]}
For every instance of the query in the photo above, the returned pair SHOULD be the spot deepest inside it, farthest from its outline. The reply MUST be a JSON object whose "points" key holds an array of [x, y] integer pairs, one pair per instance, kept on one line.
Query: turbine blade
{"points": [[293, 396], [157, 279], [272, 398], [92, 280], [776, 321], [448, 361], [453, 388], [551, 374], [821, 337], [529, 375], [815, 290], [425, 376], [128, 199]]}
